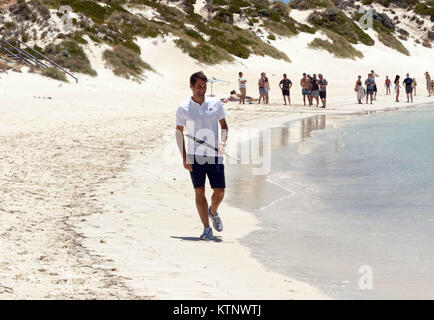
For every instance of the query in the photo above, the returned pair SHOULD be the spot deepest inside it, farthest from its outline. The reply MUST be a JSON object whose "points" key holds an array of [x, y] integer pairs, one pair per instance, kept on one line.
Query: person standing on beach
{"points": [[242, 86], [359, 89], [267, 90], [304, 87], [261, 85], [397, 86], [408, 82], [428, 83], [322, 90], [309, 89], [387, 85], [315, 89], [414, 86], [200, 115], [375, 85], [370, 82], [285, 85]]}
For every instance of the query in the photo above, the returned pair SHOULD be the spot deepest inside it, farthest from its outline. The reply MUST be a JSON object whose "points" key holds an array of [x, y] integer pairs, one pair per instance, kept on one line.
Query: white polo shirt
{"points": [[201, 122]]}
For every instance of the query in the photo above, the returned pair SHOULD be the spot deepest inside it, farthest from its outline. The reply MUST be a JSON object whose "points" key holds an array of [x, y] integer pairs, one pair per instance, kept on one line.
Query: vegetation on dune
{"points": [[339, 46], [385, 29], [71, 56], [387, 3], [203, 52], [125, 62], [310, 4], [425, 9], [335, 20], [210, 39], [54, 74], [388, 39]]}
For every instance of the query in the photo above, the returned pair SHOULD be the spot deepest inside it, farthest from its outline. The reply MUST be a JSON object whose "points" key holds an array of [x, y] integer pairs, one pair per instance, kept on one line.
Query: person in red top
{"points": [[387, 85]]}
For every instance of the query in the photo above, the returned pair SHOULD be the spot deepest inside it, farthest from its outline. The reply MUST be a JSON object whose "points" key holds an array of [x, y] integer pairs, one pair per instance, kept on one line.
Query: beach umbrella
{"points": [[212, 81]]}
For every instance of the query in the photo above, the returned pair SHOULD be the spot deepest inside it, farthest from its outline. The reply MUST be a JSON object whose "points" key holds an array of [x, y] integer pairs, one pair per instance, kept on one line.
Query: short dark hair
{"points": [[233, 92], [284, 74], [304, 73], [198, 75], [240, 73]]}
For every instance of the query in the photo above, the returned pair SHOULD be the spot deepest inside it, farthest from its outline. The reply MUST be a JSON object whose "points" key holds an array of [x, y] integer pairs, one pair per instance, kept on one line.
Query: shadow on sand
{"points": [[214, 239]]}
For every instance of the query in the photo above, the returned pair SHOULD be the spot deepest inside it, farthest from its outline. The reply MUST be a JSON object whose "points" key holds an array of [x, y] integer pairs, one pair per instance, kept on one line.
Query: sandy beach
{"points": [[90, 208]]}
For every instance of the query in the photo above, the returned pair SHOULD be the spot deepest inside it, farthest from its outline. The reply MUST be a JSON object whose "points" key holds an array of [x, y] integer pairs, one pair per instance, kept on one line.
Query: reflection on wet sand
{"points": [[245, 183], [297, 131]]}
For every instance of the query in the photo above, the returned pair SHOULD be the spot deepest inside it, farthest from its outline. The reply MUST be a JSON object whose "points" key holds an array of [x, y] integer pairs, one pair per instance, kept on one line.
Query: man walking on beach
{"points": [[323, 90], [285, 85], [408, 82], [201, 116], [242, 85], [304, 84]]}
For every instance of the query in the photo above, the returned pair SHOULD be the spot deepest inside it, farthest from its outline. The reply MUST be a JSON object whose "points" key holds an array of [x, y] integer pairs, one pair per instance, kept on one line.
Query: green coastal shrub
{"points": [[310, 4], [335, 20], [129, 44], [71, 56], [425, 9], [203, 52], [91, 9], [54, 73], [385, 35], [338, 46], [125, 62]]}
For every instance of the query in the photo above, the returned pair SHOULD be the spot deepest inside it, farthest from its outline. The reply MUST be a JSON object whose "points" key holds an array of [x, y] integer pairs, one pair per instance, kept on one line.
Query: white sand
{"points": [[88, 208]]}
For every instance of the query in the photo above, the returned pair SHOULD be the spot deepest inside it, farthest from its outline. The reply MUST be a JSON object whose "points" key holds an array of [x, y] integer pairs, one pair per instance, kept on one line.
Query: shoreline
{"points": [[167, 267], [257, 237]]}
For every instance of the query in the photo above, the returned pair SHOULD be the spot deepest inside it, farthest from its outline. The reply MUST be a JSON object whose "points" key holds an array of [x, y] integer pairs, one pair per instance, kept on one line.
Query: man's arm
{"points": [[181, 146]]}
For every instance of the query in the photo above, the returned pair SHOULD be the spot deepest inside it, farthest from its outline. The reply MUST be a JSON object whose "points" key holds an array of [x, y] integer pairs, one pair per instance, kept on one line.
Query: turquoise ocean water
{"points": [[359, 195]]}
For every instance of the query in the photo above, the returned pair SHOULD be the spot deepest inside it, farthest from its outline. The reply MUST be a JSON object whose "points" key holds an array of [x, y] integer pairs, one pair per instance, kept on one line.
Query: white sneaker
{"points": [[207, 234], [216, 221]]}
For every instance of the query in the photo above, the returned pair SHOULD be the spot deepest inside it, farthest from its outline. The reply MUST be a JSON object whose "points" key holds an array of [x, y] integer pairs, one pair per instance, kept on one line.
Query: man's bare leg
{"points": [[202, 205], [216, 199]]}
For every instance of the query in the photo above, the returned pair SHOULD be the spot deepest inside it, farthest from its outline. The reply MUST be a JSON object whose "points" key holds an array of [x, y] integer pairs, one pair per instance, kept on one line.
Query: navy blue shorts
{"points": [[212, 167]]}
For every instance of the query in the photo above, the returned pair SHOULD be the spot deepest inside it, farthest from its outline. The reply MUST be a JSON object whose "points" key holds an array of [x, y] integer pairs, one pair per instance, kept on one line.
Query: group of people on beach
{"points": [[312, 87], [315, 89], [409, 84]]}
